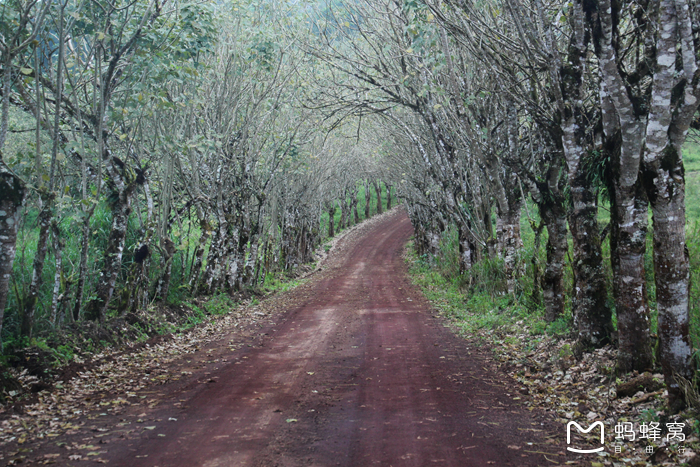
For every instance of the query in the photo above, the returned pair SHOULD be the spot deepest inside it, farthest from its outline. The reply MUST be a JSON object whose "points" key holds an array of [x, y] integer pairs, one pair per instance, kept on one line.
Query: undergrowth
{"points": [[476, 303], [480, 311], [45, 355]]}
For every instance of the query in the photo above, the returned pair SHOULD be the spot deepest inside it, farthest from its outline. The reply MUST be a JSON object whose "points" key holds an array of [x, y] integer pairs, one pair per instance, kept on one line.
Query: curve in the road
{"points": [[361, 374]]}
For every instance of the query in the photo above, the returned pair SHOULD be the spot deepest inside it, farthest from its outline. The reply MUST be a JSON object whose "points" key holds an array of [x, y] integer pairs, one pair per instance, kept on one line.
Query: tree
{"points": [[650, 98], [20, 23]]}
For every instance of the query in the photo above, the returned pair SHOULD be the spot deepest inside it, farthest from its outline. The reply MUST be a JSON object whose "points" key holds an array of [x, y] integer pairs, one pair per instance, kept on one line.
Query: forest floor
{"points": [[352, 368]]}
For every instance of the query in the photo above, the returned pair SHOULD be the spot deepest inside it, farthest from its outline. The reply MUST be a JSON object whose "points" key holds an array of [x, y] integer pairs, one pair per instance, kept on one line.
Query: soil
{"points": [[354, 368]]}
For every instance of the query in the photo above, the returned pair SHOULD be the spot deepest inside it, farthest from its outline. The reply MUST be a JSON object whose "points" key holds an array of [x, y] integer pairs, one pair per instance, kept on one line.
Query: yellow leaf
{"points": [[100, 36], [26, 71]]}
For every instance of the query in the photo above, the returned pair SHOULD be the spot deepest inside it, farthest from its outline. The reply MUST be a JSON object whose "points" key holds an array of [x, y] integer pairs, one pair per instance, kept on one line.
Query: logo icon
{"points": [[582, 430]]}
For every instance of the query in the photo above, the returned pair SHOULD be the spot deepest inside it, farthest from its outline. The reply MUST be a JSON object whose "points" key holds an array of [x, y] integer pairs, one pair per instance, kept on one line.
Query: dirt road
{"points": [[358, 373]]}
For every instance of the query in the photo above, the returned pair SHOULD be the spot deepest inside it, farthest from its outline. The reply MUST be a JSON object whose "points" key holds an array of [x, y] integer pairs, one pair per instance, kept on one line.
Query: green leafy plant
{"points": [[560, 327]]}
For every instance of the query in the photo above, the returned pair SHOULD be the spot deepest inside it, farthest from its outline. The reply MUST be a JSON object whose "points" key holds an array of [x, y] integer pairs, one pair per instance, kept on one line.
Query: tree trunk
{"points": [[674, 102], [420, 236], [42, 247], [466, 260], [510, 244], [368, 196], [252, 263], [627, 249], [628, 234], [536, 295], [344, 214], [97, 307], [388, 197], [84, 256], [217, 259], [671, 269], [331, 221], [553, 215], [241, 245], [354, 205], [378, 189], [623, 131], [162, 287], [592, 315], [58, 255], [12, 194], [487, 224], [199, 253]]}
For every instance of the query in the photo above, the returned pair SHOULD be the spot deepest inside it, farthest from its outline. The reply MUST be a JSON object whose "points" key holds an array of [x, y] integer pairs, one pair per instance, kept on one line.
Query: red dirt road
{"points": [[359, 373]]}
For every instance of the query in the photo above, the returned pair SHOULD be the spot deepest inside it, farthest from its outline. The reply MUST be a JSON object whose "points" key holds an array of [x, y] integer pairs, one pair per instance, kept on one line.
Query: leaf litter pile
{"points": [[548, 377], [586, 391], [110, 387], [68, 418]]}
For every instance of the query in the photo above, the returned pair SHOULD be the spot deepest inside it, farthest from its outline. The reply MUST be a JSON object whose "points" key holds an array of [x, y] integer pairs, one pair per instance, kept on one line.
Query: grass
{"points": [[477, 314], [691, 162], [71, 229], [280, 282]]}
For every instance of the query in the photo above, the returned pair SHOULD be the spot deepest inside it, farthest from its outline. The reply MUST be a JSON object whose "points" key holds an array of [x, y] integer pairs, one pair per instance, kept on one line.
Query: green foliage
{"points": [[280, 282], [361, 202], [693, 243], [538, 328], [649, 415], [691, 162], [475, 313], [561, 326], [565, 352], [71, 227], [220, 304], [196, 317], [60, 354]]}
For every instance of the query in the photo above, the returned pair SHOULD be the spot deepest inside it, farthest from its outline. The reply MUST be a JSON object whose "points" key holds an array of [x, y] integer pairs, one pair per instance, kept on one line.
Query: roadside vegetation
{"points": [[160, 164], [53, 347], [539, 354]]}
